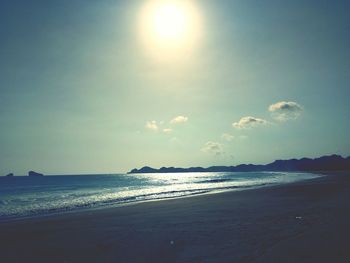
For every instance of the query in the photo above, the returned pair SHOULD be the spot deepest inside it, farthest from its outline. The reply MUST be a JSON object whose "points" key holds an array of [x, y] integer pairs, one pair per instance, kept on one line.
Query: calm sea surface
{"points": [[35, 196]]}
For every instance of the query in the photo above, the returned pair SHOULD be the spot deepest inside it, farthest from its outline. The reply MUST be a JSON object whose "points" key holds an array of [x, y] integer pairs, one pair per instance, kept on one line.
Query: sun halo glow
{"points": [[169, 27]]}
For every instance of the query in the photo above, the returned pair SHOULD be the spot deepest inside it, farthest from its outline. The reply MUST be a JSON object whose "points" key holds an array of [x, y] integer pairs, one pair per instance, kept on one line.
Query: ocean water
{"points": [[36, 196]]}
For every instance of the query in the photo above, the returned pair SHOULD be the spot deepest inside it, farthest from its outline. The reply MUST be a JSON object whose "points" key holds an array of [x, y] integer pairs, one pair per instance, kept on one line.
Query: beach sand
{"points": [[300, 222]]}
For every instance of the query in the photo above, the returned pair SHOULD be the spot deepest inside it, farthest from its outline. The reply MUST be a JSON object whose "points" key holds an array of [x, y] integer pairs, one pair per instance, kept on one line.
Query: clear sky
{"points": [[95, 87]]}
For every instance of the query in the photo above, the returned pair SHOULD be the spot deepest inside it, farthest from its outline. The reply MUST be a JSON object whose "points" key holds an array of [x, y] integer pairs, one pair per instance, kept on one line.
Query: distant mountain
{"points": [[324, 163]]}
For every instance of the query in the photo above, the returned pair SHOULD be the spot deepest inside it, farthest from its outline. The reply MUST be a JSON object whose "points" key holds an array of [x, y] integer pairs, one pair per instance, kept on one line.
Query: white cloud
{"points": [[285, 110], [160, 126], [213, 148], [227, 137], [179, 119], [152, 125], [249, 122]]}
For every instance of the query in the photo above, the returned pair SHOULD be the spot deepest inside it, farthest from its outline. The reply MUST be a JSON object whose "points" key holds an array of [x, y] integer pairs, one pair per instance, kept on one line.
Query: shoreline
{"points": [[304, 221], [116, 204]]}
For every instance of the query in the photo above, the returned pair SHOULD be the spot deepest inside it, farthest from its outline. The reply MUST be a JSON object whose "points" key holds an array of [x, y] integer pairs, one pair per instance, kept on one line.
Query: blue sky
{"points": [[80, 93]]}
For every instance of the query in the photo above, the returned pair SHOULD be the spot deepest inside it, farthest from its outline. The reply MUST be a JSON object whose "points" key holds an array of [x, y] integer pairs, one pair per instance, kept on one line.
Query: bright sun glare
{"points": [[169, 26], [170, 21]]}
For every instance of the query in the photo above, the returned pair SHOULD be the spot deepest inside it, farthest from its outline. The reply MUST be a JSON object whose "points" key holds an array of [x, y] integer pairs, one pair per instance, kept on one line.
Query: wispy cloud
{"points": [[179, 119], [227, 137], [249, 122], [161, 126], [152, 125], [285, 110], [213, 148]]}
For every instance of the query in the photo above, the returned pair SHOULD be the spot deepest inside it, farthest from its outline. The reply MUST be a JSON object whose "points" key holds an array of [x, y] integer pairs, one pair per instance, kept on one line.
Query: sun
{"points": [[169, 26], [170, 22]]}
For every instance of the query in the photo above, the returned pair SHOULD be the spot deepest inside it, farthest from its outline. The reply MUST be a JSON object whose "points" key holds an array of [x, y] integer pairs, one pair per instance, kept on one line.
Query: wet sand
{"points": [[300, 222]]}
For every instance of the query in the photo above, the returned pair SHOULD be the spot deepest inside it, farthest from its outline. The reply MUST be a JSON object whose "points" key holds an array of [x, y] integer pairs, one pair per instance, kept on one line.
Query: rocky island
{"points": [[34, 174]]}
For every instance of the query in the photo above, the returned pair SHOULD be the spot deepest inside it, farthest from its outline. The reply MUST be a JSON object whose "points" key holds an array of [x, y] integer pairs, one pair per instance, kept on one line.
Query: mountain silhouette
{"points": [[325, 163]]}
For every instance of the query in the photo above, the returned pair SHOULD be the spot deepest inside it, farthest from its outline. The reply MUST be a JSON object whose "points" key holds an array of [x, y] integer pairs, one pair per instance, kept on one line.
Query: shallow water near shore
{"points": [[27, 196]]}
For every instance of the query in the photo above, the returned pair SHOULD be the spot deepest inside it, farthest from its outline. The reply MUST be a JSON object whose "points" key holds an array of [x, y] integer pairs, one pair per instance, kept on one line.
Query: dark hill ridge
{"points": [[324, 163]]}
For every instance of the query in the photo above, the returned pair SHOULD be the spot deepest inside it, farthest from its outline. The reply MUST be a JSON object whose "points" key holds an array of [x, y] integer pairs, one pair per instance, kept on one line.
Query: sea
{"points": [[24, 196]]}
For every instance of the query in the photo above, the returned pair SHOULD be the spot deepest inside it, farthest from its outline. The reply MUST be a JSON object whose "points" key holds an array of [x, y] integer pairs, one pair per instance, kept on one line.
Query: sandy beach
{"points": [[300, 222]]}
